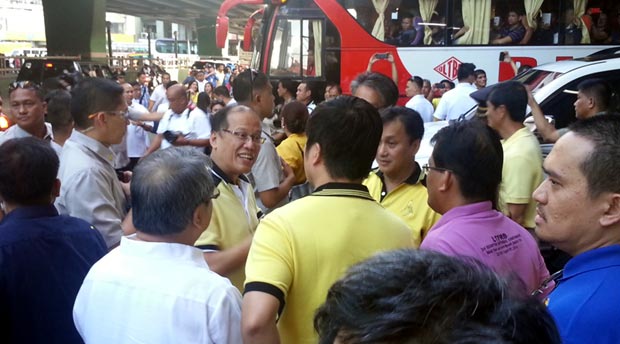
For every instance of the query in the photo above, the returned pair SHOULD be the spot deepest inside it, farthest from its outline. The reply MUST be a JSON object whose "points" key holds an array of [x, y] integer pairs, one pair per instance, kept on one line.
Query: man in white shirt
{"points": [[159, 93], [157, 288], [304, 95], [28, 109], [457, 102], [418, 102], [182, 124], [138, 141], [200, 79]]}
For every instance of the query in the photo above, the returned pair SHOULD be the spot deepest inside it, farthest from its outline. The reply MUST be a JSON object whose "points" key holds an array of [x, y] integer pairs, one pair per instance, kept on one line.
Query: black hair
{"points": [[465, 71], [411, 120], [474, 153], [28, 172], [92, 95], [59, 109], [601, 166], [289, 85], [419, 296], [598, 89], [204, 101], [248, 83], [513, 96], [221, 91], [348, 130]]}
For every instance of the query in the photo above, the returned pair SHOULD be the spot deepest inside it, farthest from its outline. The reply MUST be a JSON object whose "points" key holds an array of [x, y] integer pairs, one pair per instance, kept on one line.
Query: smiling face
{"points": [[562, 219], [232, 154], [481, 80], [28, 109], [396, 150]]}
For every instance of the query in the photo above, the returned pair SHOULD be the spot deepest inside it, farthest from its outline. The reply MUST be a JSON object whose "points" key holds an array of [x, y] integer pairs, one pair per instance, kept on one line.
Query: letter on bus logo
{"points": [[449, 68]]}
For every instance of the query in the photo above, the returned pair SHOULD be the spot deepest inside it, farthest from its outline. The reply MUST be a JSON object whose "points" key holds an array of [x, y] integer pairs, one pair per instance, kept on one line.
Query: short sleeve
{"points": [[519, 180], [267, 169], [270, 261]]}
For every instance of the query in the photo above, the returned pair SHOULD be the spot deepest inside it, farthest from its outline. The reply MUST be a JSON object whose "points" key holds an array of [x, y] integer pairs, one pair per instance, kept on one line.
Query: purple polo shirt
{"points": [[477, 231]]}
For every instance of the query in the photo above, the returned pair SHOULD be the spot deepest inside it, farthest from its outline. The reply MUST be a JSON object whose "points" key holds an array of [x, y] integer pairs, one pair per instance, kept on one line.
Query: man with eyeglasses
{"points": [[28, 109], [463, 177], [579, 212], [272, 177], [236, 141], [156, 287], [90, 187], [181, 125]]}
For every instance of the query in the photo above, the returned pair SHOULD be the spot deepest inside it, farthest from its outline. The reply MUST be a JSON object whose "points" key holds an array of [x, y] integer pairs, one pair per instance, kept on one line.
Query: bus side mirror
{"points": [[221, 31]]}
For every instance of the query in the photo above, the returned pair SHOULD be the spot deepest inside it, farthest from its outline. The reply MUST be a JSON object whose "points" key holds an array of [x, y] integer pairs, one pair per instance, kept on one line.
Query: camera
{"points": [[171, 136]]}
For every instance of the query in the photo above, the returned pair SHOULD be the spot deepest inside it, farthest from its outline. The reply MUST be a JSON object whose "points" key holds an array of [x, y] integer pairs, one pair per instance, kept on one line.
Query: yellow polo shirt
{"points": [[409, 201]]}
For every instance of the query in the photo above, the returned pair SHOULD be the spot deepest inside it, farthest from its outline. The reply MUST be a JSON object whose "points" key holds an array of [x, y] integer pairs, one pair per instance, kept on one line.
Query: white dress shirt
{"points": [[422, 106], [456, 102], [147, 292], [192, 124]]}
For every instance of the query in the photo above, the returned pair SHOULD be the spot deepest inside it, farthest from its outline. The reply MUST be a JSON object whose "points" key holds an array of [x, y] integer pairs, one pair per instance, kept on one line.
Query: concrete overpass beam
{"points": [[76, 27], [205, 29]]}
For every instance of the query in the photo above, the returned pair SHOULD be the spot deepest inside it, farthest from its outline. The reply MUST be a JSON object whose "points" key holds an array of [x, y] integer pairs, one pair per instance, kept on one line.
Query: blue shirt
{"points": [[44, 258], [586, 302]]}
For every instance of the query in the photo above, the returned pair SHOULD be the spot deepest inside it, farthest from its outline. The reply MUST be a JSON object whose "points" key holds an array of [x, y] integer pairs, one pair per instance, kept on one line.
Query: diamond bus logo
{"points": [[449, 68]]}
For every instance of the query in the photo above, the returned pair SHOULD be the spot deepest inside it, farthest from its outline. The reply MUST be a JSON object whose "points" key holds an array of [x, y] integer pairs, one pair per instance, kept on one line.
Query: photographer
{"points": [[182, 124]]}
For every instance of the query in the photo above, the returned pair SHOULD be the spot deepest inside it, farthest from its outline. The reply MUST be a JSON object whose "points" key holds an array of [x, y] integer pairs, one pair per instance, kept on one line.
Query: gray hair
{"points": [[166, 188]]}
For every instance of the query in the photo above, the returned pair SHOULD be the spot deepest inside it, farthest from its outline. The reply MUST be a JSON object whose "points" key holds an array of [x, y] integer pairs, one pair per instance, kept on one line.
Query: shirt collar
{"points": [[220, 175], [30, 212], [93, 145], [464, 210], [19, 132], [415, 177], [343, 189], [595, 259]]}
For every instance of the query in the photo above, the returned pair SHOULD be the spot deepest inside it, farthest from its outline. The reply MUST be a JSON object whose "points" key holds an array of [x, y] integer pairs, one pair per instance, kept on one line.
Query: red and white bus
{"points": [[333, 40]]}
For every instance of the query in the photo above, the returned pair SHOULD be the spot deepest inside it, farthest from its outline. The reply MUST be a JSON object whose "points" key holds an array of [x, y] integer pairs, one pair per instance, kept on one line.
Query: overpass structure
{"points": [[78, 27]]}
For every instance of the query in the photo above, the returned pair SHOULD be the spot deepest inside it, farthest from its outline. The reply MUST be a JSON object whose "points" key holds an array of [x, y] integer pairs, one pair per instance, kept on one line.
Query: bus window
{"points": [[297, 47]]}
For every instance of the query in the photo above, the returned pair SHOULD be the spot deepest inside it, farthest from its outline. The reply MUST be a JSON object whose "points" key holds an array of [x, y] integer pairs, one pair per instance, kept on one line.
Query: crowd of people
{"points": [[163, 215]]}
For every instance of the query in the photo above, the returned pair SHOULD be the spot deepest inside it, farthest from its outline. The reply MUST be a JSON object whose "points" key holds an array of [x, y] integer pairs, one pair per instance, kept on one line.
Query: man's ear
{"points": [[213, 140], [201, 217], [612, 214], [445, 181], [56, 188], [315, 154]]}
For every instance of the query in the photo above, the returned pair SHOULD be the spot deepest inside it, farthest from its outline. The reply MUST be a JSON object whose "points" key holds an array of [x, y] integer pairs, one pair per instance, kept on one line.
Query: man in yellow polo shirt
{"points": [[522, 171], [397, 183], [299, 250], [235, 142]]}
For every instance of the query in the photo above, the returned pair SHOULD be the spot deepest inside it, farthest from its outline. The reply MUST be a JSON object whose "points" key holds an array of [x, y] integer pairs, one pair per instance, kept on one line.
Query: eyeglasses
{"points": [[122, 113], [216, 194], [29, 85], [245, 137], [427, 168]]}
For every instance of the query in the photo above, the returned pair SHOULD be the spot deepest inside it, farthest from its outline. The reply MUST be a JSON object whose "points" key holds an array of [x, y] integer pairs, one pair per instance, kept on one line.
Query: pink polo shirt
{"points": [[477, 231]]}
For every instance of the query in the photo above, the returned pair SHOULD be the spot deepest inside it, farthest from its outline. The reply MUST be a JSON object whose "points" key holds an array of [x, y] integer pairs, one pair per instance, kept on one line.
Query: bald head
{"points": [[177, 97], [127, 92]]}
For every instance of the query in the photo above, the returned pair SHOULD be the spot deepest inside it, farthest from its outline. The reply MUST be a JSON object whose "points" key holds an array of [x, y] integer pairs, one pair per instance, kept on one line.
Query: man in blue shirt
{"points": [[579, 212], [44, 256]]}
